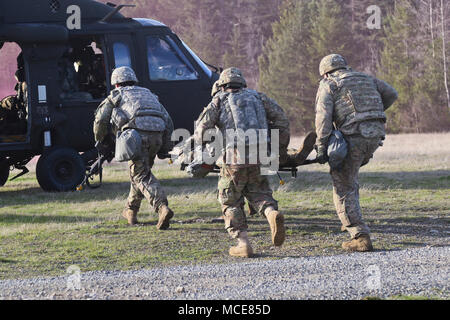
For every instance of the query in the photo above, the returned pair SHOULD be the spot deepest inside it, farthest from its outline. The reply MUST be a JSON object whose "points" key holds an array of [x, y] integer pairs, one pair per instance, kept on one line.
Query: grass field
{"points": [[405, 197]]}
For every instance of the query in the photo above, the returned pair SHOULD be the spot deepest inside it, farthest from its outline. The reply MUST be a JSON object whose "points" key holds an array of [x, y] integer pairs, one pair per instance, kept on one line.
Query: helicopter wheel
{"points": [[60, 170]]}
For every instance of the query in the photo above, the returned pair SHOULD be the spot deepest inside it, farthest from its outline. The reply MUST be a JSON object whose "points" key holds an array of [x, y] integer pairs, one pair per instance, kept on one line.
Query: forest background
{"points": [[279, 44]]}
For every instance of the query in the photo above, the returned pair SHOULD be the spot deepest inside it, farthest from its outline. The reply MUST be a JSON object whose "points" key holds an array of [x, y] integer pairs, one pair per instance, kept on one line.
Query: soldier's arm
{"points": [[103, 118], [207, 120], [324, 114], [388, 94], [167, 136], [168, 120]]}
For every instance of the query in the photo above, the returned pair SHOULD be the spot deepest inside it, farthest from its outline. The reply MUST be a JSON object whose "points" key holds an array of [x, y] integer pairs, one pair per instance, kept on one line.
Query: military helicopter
{"points": [[69, 50]]}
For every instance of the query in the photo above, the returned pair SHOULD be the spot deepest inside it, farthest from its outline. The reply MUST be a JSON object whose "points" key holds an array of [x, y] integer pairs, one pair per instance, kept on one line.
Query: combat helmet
{"points": [[232, 76], [122, 75], [331, 63]]}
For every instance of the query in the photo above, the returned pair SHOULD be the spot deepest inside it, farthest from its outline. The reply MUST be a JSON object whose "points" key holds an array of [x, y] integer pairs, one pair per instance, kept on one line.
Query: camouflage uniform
{"points": [[13, 116], [134, 107], [238, 180], [354, 103]]}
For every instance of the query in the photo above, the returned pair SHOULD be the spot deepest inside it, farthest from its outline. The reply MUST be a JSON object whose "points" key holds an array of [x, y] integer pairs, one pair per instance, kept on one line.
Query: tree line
{"points": [[279, 43]]}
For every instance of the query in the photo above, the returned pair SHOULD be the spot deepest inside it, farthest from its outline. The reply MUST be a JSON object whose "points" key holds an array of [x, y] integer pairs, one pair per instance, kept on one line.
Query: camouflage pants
{"points": [[143, 182], [235, 183], [346, 187]]}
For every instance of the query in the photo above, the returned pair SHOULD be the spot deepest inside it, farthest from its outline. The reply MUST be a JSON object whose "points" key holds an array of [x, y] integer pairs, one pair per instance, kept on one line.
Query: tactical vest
{"points": [[356, 99], [142, 109], [242, 112]]}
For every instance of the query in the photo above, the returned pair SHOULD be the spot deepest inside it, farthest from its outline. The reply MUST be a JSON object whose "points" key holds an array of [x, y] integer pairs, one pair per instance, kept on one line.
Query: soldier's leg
{"points": [[258, 191], [346, 189], [143, 179], [230, 196], [134, 201], [259, 195], [232, 201]]}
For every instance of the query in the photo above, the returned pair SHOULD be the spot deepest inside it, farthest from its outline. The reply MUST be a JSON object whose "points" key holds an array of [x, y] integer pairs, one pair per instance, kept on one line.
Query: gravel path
{"points": [[416, 272]]}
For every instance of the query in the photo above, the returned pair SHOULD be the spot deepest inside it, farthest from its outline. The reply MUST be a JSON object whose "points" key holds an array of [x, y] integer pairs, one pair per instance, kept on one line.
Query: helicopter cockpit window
{"points": [[122, 55], [167, 62], [13, 95]]}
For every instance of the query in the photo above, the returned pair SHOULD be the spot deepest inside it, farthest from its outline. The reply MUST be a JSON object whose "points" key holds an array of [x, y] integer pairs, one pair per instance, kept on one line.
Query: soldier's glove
{"points": [[104, 147], [322, 156]]}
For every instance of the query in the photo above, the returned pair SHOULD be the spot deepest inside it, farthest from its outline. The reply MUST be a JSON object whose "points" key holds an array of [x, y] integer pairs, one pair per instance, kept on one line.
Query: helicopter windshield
{"points": [[198, 60]]}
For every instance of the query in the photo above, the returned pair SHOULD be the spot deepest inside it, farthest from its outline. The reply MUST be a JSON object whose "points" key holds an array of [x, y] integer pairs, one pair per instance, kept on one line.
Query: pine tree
{"points": [[330, 32], [289, 67], [400, 67], [285, 66]]}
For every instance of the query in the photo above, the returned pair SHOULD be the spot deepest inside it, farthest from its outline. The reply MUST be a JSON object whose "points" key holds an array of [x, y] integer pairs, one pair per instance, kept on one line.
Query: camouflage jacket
{"points": [[210, 118], [108, 111], [331, 102]]}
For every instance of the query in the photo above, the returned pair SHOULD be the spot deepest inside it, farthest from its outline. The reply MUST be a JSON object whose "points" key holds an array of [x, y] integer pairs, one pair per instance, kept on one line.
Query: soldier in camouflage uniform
{"points": [[279, 120], [132, 107], [231, 108], [13, 108], [353, 103]]}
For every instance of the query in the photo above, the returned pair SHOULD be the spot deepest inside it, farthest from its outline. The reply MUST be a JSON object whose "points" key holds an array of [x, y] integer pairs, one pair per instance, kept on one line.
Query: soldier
{"points": [[132, 107], [231, 108], [353, 103], [278, 119], [21, 86]]}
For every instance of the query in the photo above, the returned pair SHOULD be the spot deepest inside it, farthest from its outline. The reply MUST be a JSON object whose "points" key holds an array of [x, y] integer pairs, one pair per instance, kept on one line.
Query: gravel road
{"points": [[413, 272]]}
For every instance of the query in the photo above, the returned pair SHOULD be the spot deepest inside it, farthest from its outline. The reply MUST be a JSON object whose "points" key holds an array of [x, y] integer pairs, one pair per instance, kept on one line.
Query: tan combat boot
{"points": [[276, 222], [343, 229], [297, 157], [243, 249], [165, 214], [131, 216], [360, 244], [307, 147]]}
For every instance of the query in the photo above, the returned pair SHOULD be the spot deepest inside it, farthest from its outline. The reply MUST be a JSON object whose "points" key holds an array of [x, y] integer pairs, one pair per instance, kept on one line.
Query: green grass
{"points": [[405, 202]]}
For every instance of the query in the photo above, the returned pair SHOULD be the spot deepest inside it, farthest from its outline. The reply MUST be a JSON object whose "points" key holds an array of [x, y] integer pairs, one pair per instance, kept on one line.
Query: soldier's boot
{"points": [[243, 248], [343, 229], [251, 210], [360, 244], [297, 157], [131, 216], [305, 150], [276, 222], [165, 214]]}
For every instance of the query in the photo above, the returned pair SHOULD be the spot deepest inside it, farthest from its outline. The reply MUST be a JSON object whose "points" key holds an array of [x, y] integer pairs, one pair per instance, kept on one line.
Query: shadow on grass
{"points": [[414, 226], [40, 219], [7, 261], [433, 180], [317, 226]]}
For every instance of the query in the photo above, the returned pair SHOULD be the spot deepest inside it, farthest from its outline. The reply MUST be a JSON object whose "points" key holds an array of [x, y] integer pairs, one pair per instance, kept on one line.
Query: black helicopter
{"points": [[69, 49]]}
